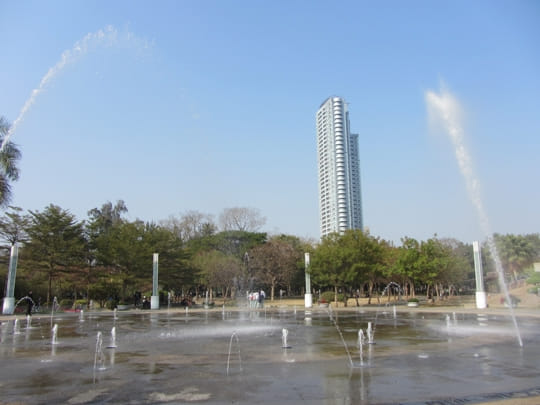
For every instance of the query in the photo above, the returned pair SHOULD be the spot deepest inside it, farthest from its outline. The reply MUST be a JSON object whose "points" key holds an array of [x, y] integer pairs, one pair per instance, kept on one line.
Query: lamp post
{"points": [[308, 299]]}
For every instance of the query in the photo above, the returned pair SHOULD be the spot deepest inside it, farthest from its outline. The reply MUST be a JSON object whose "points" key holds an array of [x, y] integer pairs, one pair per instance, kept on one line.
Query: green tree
{"points": [[56, 243], [9, 157], [123, 251], [534, 240], [376, 258], [13, 226], [334, 261], [102, 280], [434, 261], [516, 252], [407, 264], [460, 271], [104, 218]]}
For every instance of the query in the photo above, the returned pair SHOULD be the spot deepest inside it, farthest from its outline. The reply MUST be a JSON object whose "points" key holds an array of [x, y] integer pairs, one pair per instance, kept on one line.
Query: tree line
{"points": [[108, 257], [436, 267]]}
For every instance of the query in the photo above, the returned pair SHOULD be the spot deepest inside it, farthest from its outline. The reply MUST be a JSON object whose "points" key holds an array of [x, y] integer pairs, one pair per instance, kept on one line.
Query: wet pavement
{"points": [[237, 357]]}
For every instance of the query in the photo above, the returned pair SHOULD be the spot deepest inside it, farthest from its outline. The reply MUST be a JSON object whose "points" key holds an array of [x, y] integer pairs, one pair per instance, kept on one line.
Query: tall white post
{"points": [[308, 299], [9, 300], [154, 300], [481, 296]]}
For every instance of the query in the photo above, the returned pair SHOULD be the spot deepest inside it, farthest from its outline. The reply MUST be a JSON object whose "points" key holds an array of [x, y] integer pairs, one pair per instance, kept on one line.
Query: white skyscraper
{"points": [[340, 198]]}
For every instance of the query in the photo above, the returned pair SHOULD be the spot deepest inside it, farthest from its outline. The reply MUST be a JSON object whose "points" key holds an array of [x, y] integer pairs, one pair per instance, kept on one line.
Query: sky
{"points": [[203, 105]]}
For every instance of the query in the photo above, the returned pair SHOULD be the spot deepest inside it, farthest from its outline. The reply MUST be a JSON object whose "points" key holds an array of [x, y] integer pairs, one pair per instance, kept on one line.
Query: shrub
{"points": [[534, 278], [413, 299], [327, 296], [81, 303], [66, 303], [111, 304]]}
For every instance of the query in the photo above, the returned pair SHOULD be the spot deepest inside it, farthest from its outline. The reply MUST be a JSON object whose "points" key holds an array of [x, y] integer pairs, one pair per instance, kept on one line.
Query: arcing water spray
{"points": [[445, 109]]}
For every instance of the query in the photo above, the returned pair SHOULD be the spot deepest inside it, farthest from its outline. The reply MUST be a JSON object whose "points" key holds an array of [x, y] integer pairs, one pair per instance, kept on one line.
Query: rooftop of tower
{"points": [[331, 97]]}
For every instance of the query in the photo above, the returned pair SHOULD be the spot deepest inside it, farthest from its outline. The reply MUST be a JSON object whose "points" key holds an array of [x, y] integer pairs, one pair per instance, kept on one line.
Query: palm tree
{"points": [[9, 156]]}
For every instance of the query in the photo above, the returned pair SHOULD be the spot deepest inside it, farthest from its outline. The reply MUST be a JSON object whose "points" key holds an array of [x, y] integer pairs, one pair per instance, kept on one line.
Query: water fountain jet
{"points": [[235, 337], [99, 356], [370, 334], [445, 109], [112, 345], [54, 338], [284, 334]]}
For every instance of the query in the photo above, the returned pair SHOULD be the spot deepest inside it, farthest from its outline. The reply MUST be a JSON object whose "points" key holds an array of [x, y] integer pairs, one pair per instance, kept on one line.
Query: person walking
{"points": [[30, 302], [261, 298]]}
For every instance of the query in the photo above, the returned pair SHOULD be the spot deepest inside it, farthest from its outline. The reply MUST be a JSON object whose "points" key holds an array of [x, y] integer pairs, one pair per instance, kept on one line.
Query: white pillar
{"points": [[308, 299], [9, 305], [154, 300], [481, 299], [9, 300], [481, 296]]}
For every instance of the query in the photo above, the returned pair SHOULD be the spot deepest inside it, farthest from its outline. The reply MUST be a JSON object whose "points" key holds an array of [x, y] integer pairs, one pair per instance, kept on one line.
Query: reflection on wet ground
{"points": [[177, 357]]}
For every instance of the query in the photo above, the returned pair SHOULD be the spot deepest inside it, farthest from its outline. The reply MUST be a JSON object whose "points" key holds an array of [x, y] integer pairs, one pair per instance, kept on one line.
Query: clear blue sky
{"points": [[204, 105]]}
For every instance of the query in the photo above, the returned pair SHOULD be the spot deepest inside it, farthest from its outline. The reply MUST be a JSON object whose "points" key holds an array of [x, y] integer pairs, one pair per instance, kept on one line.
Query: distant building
{"points": [[340, 198]]}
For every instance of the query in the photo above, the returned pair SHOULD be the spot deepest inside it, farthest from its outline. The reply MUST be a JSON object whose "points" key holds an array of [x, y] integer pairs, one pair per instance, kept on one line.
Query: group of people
{"points": [[141, 301], [256, 299]]}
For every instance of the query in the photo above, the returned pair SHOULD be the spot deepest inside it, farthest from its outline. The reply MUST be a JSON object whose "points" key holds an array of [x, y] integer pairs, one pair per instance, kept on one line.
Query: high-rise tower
{"points": [[340, 198]]}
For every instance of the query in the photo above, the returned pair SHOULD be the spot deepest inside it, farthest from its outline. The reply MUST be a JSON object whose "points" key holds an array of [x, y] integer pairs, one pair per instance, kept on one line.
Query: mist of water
{"points": [[444, 109], [109, 36]]}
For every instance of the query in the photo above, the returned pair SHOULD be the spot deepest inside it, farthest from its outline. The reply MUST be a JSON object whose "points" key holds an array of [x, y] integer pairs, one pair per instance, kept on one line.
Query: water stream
{"points": [[445, 109]]}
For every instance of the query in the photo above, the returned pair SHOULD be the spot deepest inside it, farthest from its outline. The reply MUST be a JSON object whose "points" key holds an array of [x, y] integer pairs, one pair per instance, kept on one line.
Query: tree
{"points": [[123, 251], [103, 219], [407, 264], [9, 156], [191, 225], [350, 260], [274, 262], [333, 264], [241, 219], [534, 240], [296, 278], [13, 226], [56, 243], [517, 252], [234, 243], [98, 229], [372, 256], [218, 270], [463, 253], [434, 262]]}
